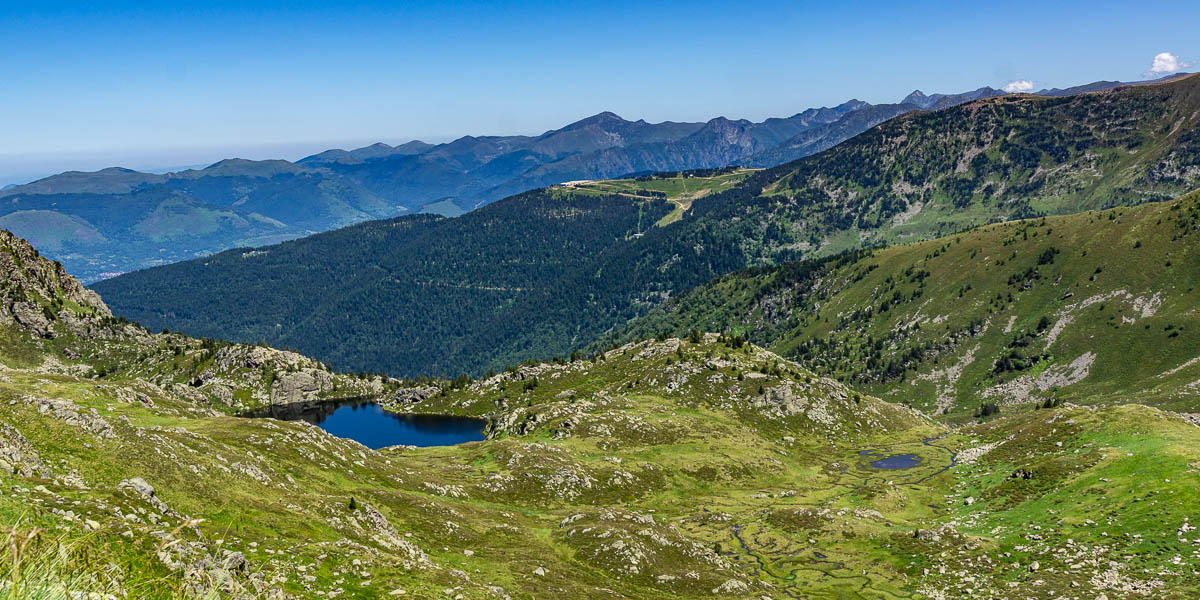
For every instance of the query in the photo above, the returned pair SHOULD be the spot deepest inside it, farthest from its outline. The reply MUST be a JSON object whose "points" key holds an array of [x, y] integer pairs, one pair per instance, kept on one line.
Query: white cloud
{"points": [[1165, 63], [1020, 85]]}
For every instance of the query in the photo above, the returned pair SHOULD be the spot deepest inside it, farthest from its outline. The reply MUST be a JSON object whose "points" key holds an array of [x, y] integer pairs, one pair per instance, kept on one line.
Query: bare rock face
{"points": [[300, 386], [29, 315], [409, 396]]}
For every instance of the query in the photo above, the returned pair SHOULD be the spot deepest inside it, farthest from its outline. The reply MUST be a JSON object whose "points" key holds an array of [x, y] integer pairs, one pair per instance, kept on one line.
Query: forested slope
{"points": [[402, 295]]}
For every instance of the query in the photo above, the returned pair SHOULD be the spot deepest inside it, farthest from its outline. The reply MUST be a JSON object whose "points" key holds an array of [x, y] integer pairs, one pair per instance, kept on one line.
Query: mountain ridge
{"points": [[905, 180], [157, 219], [237, 202], [240, 202]]}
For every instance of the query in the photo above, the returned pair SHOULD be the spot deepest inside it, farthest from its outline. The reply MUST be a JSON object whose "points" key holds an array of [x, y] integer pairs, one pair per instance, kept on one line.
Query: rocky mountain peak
{"points": [[851, 105], [604, 119], [918, 98], [726, 124]]}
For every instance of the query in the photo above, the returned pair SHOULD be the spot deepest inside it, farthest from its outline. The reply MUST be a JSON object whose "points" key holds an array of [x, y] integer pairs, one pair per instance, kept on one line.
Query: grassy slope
{"points": [[1070, 502], [927, 323], [654, 472]]}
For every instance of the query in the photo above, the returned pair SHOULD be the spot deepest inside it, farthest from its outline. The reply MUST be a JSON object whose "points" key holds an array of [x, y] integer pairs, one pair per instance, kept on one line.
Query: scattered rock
{"points": [[141, 488], [732, 586], [18, 456]]}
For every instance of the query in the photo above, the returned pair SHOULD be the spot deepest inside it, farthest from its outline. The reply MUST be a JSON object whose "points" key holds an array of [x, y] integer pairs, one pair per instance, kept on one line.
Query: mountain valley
{"points": [[698, 467]]}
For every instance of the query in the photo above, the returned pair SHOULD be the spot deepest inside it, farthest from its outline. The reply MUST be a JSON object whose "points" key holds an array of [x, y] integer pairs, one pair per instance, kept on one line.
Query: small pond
{"points": [[895, 461], [370, 425]]}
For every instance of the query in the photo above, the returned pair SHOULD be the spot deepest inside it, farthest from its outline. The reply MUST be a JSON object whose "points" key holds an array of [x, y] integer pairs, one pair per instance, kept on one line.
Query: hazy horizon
{"points": [[176, 86]]}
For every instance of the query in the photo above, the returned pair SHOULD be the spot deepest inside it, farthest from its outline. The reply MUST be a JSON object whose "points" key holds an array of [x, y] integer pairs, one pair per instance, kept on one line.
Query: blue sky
{"points": [[89, 84]]}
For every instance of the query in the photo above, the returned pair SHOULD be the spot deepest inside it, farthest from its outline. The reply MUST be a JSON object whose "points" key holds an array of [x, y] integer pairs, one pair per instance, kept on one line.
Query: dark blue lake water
{"points": [[895, 461], [370, 425]]}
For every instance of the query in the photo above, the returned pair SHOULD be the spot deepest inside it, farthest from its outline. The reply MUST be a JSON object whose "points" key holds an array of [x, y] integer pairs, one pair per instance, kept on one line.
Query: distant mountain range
{"points": [[117, 220], [546, 271]]}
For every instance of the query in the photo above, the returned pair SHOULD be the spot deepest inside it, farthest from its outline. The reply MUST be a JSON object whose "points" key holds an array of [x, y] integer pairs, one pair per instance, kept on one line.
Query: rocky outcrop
{"points": [[411, 556], [410, 395], [35, 292], [138, 487], [29, 315], [18, 456], [282, 377], [300, 386], [255, 357], [72, 414], [207, 572]]}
